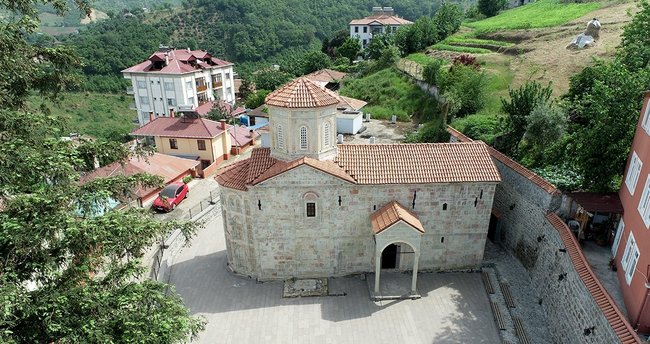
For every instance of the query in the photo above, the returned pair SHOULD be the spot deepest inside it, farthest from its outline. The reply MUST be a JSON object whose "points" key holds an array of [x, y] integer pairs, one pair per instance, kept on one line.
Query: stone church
{"points": [[308, 207]]}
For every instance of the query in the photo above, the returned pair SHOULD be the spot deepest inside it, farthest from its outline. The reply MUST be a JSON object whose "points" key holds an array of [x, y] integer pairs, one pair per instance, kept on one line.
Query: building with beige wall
{"points": [[306, 207], [192, 138]]}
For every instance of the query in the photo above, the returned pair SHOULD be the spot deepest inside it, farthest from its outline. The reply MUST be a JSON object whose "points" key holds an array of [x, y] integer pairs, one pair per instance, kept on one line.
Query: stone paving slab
{"points": [[454, 307]]}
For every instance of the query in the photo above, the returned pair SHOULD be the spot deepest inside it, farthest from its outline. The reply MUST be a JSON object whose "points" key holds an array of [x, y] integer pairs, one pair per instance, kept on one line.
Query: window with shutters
{"points": [[630, 258], [644, 203], [633, 172], [327, 135]]}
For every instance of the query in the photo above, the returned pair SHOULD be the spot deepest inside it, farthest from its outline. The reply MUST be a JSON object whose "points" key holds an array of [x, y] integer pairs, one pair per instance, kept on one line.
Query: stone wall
{"points": [[268, 235]]}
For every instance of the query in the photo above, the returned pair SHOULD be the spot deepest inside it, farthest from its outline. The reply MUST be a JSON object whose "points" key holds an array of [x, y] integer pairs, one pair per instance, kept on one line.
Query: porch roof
{"points": [[392, 213]]}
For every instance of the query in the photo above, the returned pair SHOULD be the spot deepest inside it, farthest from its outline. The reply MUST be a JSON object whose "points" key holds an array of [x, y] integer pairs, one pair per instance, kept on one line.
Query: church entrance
{"points": [[389, 257]]}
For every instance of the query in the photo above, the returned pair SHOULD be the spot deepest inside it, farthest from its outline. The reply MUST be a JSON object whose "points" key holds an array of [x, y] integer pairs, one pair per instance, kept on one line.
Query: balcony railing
{"points": [[217, 84], [201, 88], [129, 90]]}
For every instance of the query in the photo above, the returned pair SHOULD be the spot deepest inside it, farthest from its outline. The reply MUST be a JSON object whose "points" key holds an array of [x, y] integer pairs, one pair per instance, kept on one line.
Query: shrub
{"points": [[490, 8], [465, 59], [431, 72], [479, 127], [465, 85], [187, 179], [256, 99]]}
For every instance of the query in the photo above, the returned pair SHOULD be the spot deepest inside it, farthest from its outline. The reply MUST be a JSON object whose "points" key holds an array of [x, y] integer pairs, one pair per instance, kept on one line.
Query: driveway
{"points": [[454, 307], [200, 191]]}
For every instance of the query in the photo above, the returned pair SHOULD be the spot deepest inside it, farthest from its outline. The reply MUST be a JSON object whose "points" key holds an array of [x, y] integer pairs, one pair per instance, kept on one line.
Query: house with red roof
{"points": [[170, 168], [382, 20], [307, 207], [631, 247], [196, 138], [170, 78]]}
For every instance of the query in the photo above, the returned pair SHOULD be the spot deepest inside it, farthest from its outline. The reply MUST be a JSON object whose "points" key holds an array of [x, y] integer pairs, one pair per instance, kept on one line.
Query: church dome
{"points": [[301, 93]]}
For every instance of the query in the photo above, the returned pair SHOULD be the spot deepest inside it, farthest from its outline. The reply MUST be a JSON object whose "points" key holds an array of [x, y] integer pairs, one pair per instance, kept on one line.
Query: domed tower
{"points": [[302, 121]]}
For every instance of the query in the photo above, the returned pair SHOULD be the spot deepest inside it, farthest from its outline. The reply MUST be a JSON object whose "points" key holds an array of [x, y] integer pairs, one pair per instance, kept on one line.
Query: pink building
{"points": [[631, 247]]}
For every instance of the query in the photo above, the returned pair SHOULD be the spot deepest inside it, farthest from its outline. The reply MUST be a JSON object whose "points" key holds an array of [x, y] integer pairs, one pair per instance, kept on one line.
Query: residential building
{"points": [[328, 78], [306, 207], [382, 20], [192, 138], [631, 248], [173, 77], [170, 168]]}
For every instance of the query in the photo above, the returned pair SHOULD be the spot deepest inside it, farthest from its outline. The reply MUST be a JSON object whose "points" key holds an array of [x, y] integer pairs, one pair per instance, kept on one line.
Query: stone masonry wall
{"points": [[269, 236], [528, 235]]}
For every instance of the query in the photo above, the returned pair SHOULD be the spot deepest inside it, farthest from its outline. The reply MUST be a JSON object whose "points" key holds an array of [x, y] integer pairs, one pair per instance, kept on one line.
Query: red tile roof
{"points": [[166, 166], [205, 108], [302, 93], [515, 166], [379, 164], [613, 315], [392, 213], [418, 163], [180, 61], [325, 76], [198, 128], [241, 136], [381, 20]]}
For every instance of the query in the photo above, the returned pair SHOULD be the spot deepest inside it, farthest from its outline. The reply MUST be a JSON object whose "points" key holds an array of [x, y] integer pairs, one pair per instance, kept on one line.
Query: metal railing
{"points": [[204, 204]]}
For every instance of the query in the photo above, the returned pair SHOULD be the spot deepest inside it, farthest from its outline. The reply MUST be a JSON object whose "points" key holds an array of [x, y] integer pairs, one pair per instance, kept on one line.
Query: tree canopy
{"points": [[68, 273]]}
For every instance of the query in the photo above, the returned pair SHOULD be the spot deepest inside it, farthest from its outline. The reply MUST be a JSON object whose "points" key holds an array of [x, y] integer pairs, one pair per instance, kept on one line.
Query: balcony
{"points": [[217, 84], [129, 90], [201, 88]]}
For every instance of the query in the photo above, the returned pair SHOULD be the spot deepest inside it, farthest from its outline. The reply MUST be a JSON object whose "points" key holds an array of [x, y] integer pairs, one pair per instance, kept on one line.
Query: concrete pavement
{"points": [[454, 307]]}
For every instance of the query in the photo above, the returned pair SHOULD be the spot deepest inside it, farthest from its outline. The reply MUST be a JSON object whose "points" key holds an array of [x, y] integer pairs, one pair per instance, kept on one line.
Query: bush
{"points": [[256, 99], [431, 132], [431, 72], [479, 127], [490, 8], [465, 85], [187, 179]]}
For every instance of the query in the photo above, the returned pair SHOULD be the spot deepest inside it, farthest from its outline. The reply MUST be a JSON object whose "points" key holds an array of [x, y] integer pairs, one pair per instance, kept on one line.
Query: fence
{"points": [[165, 250]]}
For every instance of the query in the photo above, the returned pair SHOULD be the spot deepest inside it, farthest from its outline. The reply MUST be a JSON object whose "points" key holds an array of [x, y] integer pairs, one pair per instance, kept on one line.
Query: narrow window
{"points": [[644, 203], [171, 102], [475, 201], [327, 141], [444, 206], [142, 84], [356, 29], [630, 258], [646, 119], [280, 137], [311, 209], [442, 240], [481, 195], [365, 29], [617, 238], [144, 100], [303, 137], [173, 144], [201, 144]]}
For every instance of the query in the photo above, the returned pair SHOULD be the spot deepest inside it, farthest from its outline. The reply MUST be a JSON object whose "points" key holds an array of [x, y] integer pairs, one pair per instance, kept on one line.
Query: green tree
{"points": [[447, 19], [270, 79], [603, 102], [246, 89], [377, 44], [349, 49], [634, 50], [431, 72], [490, 8], [257, 99], [545, 126], [521, 104], [315, 60], [69, 274], [464, 85]]}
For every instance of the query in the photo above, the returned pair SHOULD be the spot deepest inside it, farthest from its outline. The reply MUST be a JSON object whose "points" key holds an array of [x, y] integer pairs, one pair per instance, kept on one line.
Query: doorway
{"points": [[389, 257]]}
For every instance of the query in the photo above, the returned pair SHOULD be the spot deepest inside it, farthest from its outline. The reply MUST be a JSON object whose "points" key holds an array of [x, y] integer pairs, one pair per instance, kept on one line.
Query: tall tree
{"points": [[69, 271]]}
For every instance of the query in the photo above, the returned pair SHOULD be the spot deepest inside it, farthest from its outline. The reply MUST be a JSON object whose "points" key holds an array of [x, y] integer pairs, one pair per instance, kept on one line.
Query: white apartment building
{"points": [[170, 78], [382, 20]]}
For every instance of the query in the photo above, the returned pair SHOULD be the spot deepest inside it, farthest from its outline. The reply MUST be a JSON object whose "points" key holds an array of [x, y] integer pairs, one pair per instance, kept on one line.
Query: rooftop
{"points": [[383, 19], [177, 61], [195, 128], [325, 76], [302, 93], [376, 164], [392, 213]]}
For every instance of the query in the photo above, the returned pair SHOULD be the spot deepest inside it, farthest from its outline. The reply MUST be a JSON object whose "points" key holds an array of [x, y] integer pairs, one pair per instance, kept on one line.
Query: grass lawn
{"points": [[542, 13], [421, 58], [467, 40], [460, 49], [389, 92], [99, 115]]}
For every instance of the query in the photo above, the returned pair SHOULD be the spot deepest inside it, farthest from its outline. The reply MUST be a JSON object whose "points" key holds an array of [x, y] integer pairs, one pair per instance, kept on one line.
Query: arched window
{"points": [[303, 137], [327, 141], [280, 137]]}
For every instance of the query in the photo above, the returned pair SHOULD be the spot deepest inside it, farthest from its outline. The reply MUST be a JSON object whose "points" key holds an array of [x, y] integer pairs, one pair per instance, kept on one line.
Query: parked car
{"points": [[171, 196]]}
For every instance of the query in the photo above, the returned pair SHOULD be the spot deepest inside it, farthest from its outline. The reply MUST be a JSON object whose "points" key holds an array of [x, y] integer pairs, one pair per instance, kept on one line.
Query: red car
{"points": [[171, 196]]}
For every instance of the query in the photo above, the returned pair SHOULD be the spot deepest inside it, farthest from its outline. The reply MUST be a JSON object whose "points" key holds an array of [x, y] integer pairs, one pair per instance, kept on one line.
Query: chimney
{"points": [[223, 124], [166, 59], [377, 11], [171, 112], [339, 138], [388, 11], [151, 116], [250, 133], [188, 49]]}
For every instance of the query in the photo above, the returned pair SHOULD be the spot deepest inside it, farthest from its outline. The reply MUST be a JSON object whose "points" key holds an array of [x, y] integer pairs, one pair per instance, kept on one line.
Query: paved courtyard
{"points": [[454, 307]]}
